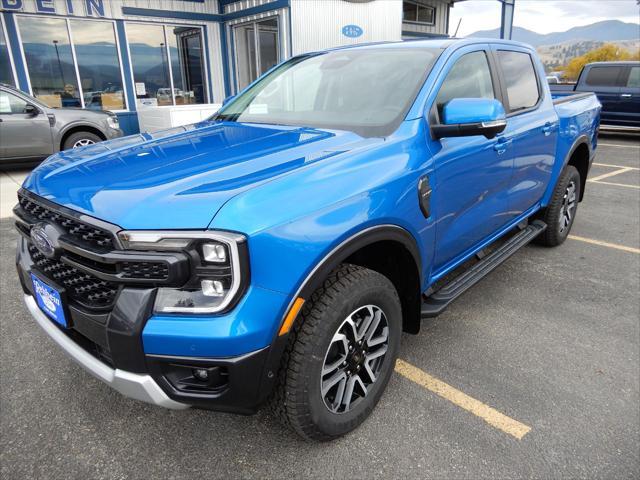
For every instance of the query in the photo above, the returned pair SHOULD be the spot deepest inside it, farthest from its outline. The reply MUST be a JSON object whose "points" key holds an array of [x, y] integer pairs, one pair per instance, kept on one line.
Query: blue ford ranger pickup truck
{"points": [[275, 252]]}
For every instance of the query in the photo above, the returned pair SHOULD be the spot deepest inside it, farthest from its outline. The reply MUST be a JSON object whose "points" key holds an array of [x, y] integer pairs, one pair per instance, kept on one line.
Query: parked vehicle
{"points": [[277, 251], [617, 85], [552, 79], [31, 131]]}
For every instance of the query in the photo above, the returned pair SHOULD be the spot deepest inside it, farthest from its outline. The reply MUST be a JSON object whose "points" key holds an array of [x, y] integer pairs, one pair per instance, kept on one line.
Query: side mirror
{"points": [[228, 99], [31, 109], [464, 117]]}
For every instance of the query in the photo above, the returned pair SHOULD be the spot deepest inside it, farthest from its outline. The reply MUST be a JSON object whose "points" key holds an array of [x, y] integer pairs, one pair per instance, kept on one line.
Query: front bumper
{"points": [[133, 385], [112, 331]]}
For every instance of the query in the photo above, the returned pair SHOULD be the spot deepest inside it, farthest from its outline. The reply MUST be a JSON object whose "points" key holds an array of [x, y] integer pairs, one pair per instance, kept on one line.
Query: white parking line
{"points": [[615, 184], [617, 145], [611, 174], [613, 166]]}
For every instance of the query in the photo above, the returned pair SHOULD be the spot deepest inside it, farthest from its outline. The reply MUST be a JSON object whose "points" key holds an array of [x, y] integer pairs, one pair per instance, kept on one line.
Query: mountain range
{"points": [[605, 31]]}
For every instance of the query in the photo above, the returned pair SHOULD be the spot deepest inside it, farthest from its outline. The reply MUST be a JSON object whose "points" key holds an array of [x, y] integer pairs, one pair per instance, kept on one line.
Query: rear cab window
{"points": [[520, 78]]}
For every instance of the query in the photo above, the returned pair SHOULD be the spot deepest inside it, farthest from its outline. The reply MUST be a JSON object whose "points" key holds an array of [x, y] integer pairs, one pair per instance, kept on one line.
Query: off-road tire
{"points": [[554, 235], [297, 400]]}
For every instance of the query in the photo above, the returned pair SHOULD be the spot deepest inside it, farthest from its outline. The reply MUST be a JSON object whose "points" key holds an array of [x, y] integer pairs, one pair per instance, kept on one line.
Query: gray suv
{"points": [[31, 131]]}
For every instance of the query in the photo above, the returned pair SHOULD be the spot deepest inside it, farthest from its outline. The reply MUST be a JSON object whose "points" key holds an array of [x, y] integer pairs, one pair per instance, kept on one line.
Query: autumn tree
{"points": [[606, 53]]}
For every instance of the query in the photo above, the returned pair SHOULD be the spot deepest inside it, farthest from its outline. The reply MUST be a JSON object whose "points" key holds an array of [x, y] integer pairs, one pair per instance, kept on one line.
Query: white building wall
{"points": [[317, 24], [441, 19]]}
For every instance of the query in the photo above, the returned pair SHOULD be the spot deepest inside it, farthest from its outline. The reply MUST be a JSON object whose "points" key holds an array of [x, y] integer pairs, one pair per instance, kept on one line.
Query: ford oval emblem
{"points": [[352, 31], [41, 240]]}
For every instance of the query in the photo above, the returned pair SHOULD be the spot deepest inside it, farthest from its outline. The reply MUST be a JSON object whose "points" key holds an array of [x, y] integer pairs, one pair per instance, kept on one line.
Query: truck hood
{"points": [[179, 178]]}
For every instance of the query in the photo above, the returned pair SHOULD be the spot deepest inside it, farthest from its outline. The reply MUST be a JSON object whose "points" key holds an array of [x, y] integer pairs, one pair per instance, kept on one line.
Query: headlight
{"points": [[219, 268], [112, 122]]}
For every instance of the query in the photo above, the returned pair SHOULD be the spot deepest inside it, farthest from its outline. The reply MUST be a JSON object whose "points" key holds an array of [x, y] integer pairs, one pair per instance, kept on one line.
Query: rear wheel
{"points": [[81, 139], [341, 354], [561, 211]]}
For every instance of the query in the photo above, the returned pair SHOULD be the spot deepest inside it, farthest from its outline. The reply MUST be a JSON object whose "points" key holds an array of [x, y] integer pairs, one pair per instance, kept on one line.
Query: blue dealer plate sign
{"points": [[49, 300]]}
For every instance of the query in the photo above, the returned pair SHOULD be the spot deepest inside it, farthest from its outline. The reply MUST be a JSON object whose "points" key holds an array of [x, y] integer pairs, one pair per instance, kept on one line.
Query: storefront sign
{"points": [[352, 31], [92, 8]]}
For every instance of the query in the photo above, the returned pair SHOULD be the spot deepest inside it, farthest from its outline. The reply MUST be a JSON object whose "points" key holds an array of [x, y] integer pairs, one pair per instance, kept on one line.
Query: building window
{"points": [[168, 64], [257, 49], [84, 73], [185, 49], [418, 13], [6, 72], [47, 50], [98, 64]]}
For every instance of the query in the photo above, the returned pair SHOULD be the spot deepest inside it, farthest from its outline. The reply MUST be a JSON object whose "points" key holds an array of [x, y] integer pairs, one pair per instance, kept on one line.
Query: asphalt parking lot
{"points": [[535, 372]]}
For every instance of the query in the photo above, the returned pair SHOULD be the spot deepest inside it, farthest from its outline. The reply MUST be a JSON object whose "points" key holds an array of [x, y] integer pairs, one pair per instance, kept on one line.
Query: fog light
{"points": [[212, 288], [214, 252], [201, 374]]}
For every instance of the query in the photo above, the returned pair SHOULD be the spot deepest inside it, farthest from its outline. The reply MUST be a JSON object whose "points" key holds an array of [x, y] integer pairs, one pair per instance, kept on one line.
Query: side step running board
{"points": [[437, 302]]}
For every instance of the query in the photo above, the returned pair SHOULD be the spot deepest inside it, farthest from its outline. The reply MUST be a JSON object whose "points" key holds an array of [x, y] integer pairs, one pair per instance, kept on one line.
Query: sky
{"points": [[541, 16]]}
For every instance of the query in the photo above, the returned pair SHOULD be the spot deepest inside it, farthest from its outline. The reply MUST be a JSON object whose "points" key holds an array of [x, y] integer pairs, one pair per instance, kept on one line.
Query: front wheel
{"points": [[341, 354], [81, 139], [560, 214]]}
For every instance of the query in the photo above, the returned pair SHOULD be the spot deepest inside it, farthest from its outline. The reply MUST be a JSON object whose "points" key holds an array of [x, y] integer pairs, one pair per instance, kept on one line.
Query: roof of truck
{"points": [[615, 63], [443, 42]]}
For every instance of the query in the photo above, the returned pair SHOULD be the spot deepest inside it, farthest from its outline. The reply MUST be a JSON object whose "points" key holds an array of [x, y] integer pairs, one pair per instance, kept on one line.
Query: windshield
{"points": [[367, 91]]}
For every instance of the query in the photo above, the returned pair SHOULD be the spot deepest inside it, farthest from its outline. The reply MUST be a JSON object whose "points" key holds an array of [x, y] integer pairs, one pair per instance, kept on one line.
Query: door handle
{"points": [[548, 129], [501, 145], [626, 95]]}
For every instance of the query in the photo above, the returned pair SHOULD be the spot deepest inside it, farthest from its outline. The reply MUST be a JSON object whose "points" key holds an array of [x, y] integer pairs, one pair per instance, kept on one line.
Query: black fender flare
{"points": [[336, 256], [581, 140], [351, 245]]}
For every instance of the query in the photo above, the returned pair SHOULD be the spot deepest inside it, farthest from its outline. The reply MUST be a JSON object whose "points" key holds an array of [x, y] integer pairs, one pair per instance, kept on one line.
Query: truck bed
{"points": [[579, 115], [568, 96]]}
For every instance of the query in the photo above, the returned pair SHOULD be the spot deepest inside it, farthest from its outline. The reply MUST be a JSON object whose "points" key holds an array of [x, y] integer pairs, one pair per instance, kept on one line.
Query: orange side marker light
{"points": [[291, 316]]}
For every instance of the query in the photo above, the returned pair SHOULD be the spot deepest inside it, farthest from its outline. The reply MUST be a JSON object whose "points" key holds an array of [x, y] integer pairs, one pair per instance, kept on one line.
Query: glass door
{"points": [[256, 49]]}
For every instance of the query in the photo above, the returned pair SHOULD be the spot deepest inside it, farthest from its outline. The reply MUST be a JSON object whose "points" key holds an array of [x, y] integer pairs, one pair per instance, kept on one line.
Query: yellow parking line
{"points": [[615, 184], [462, 400], [613, 166], [615, 246], [611, 174]]}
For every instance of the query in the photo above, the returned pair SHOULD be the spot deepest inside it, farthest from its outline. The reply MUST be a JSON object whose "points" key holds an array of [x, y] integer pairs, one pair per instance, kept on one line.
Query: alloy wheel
{"points": [[354, 358], [568, 209], [83, 142]]}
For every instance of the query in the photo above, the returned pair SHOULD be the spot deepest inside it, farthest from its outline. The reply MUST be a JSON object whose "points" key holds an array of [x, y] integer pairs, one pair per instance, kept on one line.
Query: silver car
{"points": [[31, 131]]}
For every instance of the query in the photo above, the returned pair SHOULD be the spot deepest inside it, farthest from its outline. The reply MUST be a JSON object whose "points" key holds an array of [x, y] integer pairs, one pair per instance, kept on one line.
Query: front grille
{"points": [[85, 234], [83, 288], [150, 270]]}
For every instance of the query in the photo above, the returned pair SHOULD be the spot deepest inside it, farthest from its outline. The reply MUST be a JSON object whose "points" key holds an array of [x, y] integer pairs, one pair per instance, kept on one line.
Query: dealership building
{"points": [[133, 55]]}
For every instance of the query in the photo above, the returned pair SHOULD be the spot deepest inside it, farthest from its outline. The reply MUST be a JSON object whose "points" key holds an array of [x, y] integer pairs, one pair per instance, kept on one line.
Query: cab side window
{"points": [[608, 76], [11, 104], [634, 78], [470, 77], [520, 78]]}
